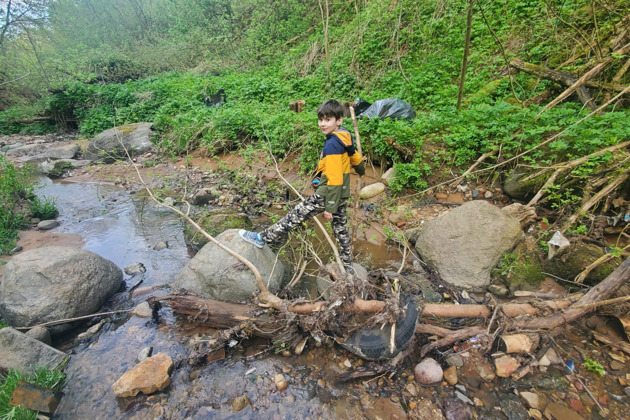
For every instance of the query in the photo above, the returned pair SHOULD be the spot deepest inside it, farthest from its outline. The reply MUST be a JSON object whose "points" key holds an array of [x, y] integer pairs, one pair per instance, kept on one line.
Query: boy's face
{"points": [[329, 124]]}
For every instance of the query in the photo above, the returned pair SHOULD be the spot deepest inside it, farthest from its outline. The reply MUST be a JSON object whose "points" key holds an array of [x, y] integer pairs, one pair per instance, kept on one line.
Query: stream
{"points": [[125, 228]]}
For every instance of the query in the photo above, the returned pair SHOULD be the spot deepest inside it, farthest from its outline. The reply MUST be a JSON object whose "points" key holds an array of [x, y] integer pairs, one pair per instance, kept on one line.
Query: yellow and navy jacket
{"points": [[334, 166]]}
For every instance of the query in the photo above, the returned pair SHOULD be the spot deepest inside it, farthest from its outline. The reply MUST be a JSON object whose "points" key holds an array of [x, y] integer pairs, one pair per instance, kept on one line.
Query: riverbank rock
{"points": [[53, 283], [372, 190], [110, 145], [149, 376], [23, 353], [213, 273], [466, 243], [214, 222]]}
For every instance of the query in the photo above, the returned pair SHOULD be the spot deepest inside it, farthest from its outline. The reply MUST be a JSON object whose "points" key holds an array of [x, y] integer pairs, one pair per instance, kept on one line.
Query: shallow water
{"points": [[124, 229]]}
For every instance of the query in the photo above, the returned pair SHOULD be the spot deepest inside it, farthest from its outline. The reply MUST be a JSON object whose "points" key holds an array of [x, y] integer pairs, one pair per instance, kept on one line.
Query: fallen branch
{"points": [[594, 71], [602, 291], [601, 260], [452, 338], [565, 166], [612, 185], [556, 76], [78, 318], [619, 345]]}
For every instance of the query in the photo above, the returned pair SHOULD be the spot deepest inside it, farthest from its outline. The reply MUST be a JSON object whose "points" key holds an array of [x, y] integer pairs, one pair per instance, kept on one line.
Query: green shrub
{"points": [[43, 208]]}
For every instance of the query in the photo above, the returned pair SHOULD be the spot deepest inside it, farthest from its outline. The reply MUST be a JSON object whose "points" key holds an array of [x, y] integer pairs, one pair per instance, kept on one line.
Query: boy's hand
{"points": [[328, 215]]}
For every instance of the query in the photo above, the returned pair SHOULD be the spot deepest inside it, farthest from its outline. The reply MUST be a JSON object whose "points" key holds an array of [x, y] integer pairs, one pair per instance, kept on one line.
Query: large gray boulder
{"points": [[110, 145], [53, 283], [24, 354], [213, 273], [465, 244]]}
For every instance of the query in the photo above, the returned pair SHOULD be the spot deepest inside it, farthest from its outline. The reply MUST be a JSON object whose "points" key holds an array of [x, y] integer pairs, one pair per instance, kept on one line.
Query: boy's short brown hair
{"points": [[330, 108]]}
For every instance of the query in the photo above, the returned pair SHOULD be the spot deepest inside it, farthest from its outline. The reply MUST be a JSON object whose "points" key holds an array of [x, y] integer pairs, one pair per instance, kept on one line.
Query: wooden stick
{"points": [[78, 318], [602, 291], [355, 215], [601, 260], [595, 70], [451, 338], [595, 199]]}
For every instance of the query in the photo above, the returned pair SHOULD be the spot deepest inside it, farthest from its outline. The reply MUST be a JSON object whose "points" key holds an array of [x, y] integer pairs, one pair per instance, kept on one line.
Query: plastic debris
{"points": [[557, 243], [389, 108]]}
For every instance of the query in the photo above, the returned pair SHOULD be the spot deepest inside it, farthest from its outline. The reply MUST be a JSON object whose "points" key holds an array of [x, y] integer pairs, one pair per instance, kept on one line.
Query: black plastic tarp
{"points": [[389, 108]]}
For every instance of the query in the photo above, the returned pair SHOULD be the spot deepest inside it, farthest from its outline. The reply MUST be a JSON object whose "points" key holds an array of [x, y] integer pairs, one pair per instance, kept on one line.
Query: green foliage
{"points": [[43, 208], [3, 324], [594, 366], [42, 377], [14, 187]]}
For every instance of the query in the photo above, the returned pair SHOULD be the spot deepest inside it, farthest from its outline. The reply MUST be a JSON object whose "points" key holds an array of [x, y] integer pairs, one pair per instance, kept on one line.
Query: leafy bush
{"points": [[43, 208], [14, 188]]}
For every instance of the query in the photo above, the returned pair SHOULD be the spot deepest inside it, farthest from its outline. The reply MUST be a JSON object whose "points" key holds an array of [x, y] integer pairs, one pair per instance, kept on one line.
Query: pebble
{"points": [[47, 224], [428, 372], [40, 334], [143, 310], [627, 391], [411, 389], [160, 246], [144, 354], [463, 398], [240, 403], [455, 360], [450, 375], [286, 369], [281, 383], [461, 388]]}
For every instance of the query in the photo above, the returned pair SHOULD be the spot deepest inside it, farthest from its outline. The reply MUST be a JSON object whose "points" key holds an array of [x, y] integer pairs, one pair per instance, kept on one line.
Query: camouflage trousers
{"points": [[306, 210]]}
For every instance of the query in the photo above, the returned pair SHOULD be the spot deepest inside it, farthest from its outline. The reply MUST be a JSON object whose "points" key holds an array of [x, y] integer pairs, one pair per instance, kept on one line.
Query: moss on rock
{"points": [[575, 258], [214, 222]]}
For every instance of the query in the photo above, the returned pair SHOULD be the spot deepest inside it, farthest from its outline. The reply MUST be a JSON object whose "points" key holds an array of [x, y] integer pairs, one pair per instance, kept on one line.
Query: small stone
{"points": [[627, 391], [289, 399], [135, 268], [40, 334], [544, 361], [240, 403], [488, 194], [286, 369], [47, 224], [411, 389], [506, 365], [534, 400], [281, 383], [455, 360], [450, 375], [286, 353], [372, 190], [145, 353], [477, 402], [428, 372], [347, 363], [160, 246], [485, 371], [143, 310], [498, 290], [463, 398], [535, 414], [553, 357]]}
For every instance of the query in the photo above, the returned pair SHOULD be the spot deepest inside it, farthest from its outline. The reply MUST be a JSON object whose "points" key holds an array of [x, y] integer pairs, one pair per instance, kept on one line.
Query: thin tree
{"points": [[462, 77], [325, 17]]}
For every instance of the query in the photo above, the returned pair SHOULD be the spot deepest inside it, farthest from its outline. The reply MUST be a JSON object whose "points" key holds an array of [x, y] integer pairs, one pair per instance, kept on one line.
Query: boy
{"points": [[332, 185]]}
